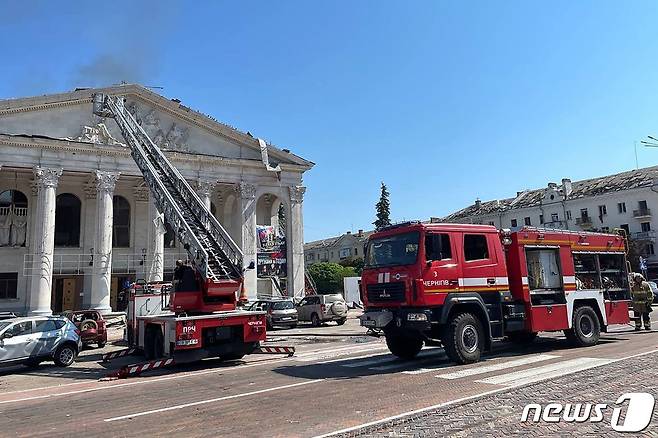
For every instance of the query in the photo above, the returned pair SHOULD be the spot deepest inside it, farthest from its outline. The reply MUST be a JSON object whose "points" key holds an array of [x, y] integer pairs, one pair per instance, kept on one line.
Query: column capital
{"points": [[106, 181], [246, 191], [46, 177], [205, 187], [297, 194]]}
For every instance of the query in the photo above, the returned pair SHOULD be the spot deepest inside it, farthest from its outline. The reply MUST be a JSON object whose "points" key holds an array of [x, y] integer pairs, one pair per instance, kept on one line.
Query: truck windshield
{"points": [[396, 250]]}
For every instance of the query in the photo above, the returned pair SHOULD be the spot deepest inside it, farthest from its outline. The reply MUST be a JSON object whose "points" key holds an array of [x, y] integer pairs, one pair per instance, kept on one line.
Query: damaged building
{"points": [[77, 223], [627, 200]]}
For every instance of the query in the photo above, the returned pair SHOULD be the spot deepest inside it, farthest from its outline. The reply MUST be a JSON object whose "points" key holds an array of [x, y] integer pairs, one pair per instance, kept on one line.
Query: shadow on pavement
{"points": [[350, 368]]}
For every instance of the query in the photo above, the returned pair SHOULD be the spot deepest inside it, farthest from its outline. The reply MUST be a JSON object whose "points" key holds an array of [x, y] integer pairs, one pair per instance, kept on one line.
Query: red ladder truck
{"points": [[197, 316], [463, 286]]}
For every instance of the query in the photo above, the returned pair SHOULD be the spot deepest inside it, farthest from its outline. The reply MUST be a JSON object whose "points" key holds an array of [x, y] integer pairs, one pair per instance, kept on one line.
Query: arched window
{"points": [[13, 218], [169, 237], [120, 222], [67, 220]]}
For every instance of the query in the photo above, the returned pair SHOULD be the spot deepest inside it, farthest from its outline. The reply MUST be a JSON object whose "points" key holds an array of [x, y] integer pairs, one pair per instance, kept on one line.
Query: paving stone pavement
{"points": [[499, 415]]}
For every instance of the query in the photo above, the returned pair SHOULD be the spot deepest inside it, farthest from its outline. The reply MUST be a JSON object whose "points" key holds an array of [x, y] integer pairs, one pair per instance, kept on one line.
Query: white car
{"points": [[32, 340]]}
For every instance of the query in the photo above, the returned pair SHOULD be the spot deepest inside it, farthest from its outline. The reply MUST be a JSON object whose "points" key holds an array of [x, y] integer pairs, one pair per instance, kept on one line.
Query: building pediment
{"points": [[170, 124]]}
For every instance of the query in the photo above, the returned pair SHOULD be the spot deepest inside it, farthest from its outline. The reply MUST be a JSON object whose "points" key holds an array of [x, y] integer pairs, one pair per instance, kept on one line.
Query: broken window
{"points": [[13, 218], [121, 222], [67, 220]]}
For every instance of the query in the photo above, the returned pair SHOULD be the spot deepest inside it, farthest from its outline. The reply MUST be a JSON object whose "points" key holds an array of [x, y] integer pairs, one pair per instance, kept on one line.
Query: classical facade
{"points": [[76, 220], [336, 249], [627, 200]]}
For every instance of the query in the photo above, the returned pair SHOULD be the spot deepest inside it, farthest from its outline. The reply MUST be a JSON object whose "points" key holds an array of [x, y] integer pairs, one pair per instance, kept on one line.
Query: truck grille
{"points": [[386, 292]]}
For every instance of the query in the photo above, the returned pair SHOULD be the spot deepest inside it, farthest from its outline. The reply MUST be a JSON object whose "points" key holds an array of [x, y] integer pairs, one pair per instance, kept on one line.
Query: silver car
{"points": [[321, 308], [32, 340]]}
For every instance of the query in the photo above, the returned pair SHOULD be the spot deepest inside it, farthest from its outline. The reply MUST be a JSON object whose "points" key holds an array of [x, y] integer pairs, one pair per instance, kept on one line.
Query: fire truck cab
{"points": [[464, 286]]}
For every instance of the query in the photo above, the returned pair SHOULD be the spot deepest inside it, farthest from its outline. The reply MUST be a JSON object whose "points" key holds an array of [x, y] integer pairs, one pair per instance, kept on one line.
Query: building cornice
{"points": [[173, 108], [67, 146]]}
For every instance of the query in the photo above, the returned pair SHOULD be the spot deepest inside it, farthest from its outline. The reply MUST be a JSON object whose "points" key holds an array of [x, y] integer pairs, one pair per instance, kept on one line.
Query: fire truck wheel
{"points": [[464, 338], [403, 345], [586, 327]]}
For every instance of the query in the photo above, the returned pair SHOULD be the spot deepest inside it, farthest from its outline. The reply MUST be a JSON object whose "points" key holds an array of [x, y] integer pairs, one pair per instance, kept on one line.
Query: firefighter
{"points": [[642, 299], [178, 274]]}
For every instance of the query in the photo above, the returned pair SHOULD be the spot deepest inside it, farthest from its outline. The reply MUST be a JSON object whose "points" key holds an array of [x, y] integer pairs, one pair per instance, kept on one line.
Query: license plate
{"points": [[369, 323]]}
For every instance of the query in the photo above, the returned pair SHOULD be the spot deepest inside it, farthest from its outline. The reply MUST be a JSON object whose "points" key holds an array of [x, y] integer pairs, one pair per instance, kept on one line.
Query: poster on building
{"points": [[272, 264], [271, 252]]}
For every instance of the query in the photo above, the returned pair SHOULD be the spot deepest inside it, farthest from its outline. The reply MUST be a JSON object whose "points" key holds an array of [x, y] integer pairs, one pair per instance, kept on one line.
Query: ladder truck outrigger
{"points": [[198, 316]]}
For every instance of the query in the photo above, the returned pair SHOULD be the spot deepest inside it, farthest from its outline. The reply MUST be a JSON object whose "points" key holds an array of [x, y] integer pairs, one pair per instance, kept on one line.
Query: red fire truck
{"points": [[464, 286], [197, 315]]}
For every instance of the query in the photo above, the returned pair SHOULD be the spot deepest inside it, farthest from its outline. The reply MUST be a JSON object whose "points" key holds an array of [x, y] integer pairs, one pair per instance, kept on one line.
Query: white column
{"points": [[204, 190], [247, 195], [102, 276], [43, 242], [295, 241], [157, 232]]}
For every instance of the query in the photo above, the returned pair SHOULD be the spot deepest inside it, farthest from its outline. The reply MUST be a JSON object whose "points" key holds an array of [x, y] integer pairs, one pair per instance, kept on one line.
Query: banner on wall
{"points": [[272, 264], [271, 259]]}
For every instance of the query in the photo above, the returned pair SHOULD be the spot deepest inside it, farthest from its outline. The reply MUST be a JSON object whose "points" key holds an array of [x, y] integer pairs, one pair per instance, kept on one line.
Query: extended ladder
{"points": [[214, 254]]}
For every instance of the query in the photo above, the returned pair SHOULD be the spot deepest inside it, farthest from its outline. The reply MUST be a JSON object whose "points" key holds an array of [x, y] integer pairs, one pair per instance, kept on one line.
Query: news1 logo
{"points": [[639, 410]]}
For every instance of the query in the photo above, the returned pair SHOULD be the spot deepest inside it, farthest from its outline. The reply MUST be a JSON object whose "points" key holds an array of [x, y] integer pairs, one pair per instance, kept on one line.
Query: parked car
{"points": [[91, 324], [321, 308], [279, 312], [33, 340]]}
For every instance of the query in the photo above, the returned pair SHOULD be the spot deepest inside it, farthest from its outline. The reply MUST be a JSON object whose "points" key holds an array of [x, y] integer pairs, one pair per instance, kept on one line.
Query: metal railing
{"points": [[16, 211], [642, 212], [82, 264], [644, 235], [584, 220]]}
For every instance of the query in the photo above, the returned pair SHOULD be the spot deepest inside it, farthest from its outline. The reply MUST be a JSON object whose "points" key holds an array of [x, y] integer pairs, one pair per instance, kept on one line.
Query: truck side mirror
{"points": [[7, 335]]}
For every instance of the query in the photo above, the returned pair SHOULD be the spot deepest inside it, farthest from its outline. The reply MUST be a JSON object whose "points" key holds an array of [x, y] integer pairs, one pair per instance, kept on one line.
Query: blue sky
{"points": [[444, 101]]}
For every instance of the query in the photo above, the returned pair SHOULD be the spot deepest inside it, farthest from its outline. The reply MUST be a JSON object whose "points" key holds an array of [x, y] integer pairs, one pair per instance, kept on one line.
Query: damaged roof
{"points": [[175, 105], [331, 241], [628, 180]]}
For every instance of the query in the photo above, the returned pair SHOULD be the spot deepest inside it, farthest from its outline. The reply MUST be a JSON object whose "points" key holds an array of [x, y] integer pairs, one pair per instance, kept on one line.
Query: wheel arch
{"points": [[471, 303], [593, 303]]}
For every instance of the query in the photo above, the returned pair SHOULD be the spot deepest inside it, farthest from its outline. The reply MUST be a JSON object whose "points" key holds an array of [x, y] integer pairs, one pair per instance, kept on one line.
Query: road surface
{"points": [[339, 381]]}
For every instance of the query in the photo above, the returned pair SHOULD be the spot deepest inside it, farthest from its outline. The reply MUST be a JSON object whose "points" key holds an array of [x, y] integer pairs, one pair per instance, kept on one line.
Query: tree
{"points": [[328, 277], [383, 208], [354, 262]]}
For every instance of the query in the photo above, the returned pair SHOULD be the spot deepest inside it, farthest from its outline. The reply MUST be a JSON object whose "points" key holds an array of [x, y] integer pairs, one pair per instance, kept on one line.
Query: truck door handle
{"points": [[491, 281], [454, 282]]}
